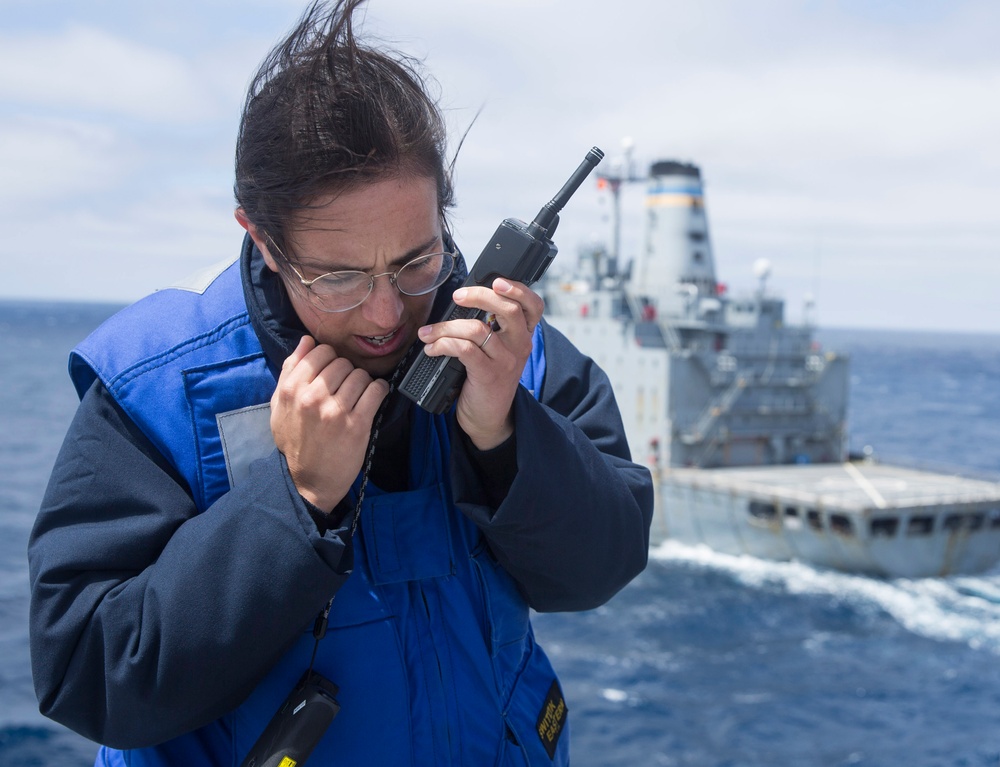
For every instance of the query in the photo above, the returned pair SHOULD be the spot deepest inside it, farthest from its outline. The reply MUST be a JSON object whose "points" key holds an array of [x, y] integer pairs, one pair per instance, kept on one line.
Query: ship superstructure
{"points": [[708, 383]]}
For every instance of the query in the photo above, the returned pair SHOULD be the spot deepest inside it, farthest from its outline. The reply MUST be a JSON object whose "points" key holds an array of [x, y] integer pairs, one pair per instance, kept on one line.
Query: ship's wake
{"points": [[958, 608]]}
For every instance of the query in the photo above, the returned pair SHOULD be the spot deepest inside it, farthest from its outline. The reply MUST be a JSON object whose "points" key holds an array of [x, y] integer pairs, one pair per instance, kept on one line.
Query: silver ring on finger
{"points": [[486, 340]]}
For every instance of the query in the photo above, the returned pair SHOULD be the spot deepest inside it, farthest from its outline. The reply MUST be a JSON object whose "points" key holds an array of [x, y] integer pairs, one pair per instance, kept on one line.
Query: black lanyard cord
{"points": [[319, 628]]}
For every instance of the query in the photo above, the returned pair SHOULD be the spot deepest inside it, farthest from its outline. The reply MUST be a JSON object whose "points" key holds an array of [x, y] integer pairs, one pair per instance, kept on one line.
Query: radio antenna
{"points": [[547, 218]]}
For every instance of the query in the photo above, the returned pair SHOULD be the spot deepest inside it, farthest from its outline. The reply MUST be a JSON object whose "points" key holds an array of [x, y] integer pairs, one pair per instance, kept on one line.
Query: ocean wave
{"points": [[956, 609]]}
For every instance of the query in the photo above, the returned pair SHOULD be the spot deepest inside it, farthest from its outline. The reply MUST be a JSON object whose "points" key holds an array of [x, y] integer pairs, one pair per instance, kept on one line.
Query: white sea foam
{"points": [[614, 696], [958, 608]]}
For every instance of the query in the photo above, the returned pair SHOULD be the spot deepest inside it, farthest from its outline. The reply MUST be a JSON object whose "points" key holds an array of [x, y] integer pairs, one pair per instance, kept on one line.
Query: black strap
{"points": [[319, 628]]}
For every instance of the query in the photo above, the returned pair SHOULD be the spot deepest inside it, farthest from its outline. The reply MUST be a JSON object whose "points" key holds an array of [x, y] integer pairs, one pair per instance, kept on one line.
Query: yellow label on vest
{"points": [[287, 762], [551, 719]]}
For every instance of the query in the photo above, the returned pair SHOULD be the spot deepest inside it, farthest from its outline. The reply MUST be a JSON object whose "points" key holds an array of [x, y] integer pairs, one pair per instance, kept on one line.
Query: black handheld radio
{"points": [[298, 725], [517, 251]]}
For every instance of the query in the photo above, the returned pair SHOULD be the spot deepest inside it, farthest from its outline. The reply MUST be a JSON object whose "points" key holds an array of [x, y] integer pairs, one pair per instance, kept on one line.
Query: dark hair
{"points": [[325, 113]]}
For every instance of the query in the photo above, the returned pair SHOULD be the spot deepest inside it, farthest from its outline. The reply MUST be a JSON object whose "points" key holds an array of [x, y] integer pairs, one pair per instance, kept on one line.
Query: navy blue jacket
{"points": [[130, 657]]}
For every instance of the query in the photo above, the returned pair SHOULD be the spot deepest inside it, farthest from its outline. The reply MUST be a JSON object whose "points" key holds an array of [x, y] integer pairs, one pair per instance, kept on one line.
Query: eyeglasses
{"points": [[344, 290]]}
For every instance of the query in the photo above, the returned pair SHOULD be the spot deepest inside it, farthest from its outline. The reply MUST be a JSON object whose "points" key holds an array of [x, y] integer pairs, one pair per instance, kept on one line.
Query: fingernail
{"points": [[424, 332], [502, 285], [459, 294]]}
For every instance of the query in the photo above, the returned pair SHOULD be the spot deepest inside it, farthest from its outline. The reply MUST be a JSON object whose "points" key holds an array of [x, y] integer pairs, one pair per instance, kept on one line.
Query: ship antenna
{"points": [[614, 178]]}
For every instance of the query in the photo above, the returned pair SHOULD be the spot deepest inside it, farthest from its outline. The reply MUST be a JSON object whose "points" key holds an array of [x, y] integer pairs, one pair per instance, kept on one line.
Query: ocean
{"points": [[704, 660]]}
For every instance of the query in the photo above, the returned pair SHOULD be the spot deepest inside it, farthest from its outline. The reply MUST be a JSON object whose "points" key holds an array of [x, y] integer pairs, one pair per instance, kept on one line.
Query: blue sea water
{"points": [[704, 660]]}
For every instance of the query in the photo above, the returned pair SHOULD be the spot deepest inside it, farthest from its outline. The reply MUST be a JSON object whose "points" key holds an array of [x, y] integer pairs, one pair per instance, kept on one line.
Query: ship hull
{"points": [[863, 518]]}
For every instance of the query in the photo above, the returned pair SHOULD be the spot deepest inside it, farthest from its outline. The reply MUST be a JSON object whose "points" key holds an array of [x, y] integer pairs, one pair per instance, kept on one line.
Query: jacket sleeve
{"points": [[136, 598], [574, 527]]}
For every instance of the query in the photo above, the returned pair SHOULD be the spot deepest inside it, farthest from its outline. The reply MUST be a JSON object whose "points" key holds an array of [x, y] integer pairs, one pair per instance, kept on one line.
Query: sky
{"points": [[853, 144]]}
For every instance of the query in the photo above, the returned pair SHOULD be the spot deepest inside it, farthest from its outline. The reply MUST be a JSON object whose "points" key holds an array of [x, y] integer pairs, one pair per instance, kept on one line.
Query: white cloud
{"points": [[86, 68], [47, 161], [124, 252], [844, 140]]}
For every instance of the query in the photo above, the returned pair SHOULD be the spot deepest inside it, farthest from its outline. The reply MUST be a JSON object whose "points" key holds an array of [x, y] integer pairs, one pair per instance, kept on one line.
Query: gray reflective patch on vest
{"points": [[200, 280], [246, 436]]}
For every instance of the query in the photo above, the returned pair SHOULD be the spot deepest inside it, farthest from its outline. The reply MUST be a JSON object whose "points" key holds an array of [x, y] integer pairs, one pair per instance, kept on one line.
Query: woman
{"points": [[242, 499]]}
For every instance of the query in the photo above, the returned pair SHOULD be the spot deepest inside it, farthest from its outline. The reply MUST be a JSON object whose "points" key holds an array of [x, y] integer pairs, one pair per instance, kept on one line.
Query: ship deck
{"points": [[857, 486]]}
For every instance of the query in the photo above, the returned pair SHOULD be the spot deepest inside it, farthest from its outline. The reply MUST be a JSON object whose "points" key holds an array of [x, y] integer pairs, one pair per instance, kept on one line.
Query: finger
{"points": [[481, 332], [482, 346], [335, 374], [530, 303], [513, 303], [300, 370], [371, 398], [455, 336], [478, 297], [352, 388], [305, 345], [312, 364], [358, 400], [468, 329]]}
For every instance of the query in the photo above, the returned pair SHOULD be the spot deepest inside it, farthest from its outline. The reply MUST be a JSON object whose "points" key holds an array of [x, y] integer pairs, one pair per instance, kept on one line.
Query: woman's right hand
{"points": [[321, 417]]}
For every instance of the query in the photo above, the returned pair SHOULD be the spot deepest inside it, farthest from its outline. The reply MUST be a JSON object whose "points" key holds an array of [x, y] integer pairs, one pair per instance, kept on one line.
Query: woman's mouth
{"points": [[379, 340], [383, 344]]}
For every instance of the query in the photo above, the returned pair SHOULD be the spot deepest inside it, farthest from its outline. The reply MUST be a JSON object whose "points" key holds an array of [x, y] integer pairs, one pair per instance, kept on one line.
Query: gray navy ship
{"points": [[742, 417]]}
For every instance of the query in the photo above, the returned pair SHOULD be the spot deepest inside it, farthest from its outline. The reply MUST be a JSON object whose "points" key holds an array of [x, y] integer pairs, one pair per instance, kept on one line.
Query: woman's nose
{"points": [[384, 306]]}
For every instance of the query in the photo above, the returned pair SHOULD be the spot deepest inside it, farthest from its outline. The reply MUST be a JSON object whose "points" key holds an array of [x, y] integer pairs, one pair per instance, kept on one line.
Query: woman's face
{"points": [[373, 228]]}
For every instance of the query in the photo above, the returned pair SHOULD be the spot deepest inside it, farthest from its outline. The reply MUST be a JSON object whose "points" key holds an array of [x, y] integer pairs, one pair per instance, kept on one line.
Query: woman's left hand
{"points": [[494, 356]]}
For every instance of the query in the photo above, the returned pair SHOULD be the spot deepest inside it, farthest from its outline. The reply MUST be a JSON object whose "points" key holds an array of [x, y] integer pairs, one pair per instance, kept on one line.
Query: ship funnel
{"points": [[678, 263]]}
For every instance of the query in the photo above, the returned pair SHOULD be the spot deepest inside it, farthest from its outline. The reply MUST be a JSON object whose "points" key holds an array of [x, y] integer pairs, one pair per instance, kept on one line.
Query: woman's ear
{"points": [[257, 235]]}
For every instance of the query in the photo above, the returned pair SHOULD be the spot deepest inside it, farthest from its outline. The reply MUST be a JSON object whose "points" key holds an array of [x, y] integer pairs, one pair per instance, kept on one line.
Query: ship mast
{"points": [[612, 179]]}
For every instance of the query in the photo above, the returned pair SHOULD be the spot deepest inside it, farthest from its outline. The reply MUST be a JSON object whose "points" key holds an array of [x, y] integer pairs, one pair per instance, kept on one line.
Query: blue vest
{"points": [[429, 640]]}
